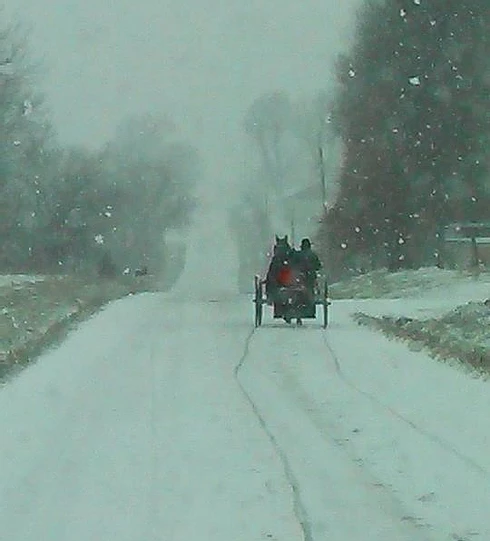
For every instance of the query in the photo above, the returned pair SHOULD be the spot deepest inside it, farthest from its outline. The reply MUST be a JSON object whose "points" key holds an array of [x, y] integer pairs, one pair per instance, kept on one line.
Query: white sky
{"points": [[202, 62], [137, 428]]}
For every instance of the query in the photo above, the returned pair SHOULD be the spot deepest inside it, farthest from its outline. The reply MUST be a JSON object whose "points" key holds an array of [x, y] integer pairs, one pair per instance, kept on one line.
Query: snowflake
{"points": [[99, 239], [415, 81]]}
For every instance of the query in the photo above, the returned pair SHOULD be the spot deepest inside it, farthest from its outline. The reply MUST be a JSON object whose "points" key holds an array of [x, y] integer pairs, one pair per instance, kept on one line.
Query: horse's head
{"points": [[282, 246]]}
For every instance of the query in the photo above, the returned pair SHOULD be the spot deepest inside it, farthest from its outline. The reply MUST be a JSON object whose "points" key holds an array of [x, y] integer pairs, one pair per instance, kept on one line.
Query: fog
{"points": [[202, 62]]}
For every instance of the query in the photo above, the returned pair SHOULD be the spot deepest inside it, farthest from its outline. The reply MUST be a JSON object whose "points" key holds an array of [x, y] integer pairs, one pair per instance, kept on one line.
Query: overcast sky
{"points": [[202, 61]]}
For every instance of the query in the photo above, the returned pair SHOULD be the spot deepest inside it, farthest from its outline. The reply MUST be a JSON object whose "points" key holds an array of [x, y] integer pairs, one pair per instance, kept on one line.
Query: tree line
{"points": [[410, 117], [71, 209]]}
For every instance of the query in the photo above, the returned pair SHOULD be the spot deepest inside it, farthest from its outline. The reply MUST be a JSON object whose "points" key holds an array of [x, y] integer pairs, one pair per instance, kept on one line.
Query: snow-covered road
{"points": [[176, 421]]}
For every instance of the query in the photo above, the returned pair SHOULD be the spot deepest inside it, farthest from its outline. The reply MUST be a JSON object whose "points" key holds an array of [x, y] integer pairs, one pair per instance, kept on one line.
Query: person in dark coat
{"points": [[309, 263]]}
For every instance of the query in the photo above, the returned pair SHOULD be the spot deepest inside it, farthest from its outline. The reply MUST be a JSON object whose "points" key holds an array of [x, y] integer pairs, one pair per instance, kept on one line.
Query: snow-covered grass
{"points": [[412, 283], [37, 311], [455, 329]]}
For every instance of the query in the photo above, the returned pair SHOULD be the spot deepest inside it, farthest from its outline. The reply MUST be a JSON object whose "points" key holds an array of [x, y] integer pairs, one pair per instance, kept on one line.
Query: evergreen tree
{"points": [[413, 110]]}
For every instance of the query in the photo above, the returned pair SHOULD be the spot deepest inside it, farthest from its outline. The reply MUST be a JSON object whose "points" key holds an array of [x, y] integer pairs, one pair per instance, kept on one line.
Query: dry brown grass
{"points": [[462, 334]]}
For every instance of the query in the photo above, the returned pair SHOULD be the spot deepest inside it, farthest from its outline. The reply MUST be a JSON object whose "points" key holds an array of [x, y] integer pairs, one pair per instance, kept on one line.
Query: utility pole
{"points": [[324, 138], [323, 180], [293, 226]]}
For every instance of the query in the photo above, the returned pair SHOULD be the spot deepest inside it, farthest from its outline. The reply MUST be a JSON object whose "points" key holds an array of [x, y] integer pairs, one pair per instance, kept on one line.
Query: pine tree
{"points": [[413, 111]]}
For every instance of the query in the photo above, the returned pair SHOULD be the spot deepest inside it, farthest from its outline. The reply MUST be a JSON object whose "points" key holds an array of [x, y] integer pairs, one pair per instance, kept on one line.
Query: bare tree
{"points": [[266, 121]]}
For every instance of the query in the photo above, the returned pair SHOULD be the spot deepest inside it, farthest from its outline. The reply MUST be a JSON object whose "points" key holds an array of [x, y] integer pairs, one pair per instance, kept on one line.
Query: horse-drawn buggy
{"points": [[293, 287]]}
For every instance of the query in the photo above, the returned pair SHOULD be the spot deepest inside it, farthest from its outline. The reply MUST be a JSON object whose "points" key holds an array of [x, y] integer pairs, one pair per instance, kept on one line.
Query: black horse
{"points": [[280, 268]]}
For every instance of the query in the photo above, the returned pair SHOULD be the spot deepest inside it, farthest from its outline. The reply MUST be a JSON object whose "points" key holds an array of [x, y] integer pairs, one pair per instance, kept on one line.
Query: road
{"points": [[177, 421]]}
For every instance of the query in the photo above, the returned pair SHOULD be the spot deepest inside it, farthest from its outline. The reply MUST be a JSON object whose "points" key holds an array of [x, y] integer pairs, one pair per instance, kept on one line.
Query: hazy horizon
{"points": [[202, 63]]}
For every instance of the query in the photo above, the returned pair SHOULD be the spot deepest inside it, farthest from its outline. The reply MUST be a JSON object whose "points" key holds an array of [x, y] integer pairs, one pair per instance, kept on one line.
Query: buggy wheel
{"points": [[325, 315], [258, 301], [258, 313], [325, 303]]}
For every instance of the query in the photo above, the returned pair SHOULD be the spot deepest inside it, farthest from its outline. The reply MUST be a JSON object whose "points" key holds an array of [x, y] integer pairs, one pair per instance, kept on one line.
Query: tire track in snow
{"points": [[329, 433], [441, 442], [152, 534], [298, 505]]}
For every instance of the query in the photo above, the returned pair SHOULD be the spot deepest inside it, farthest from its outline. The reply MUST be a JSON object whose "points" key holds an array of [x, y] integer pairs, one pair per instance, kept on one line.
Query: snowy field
{"points": [[167, 420]]}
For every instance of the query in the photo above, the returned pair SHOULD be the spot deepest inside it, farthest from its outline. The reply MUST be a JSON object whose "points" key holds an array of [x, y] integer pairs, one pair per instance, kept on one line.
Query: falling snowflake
{"points": [[352, 73], [99, 239], [414, 81]]}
